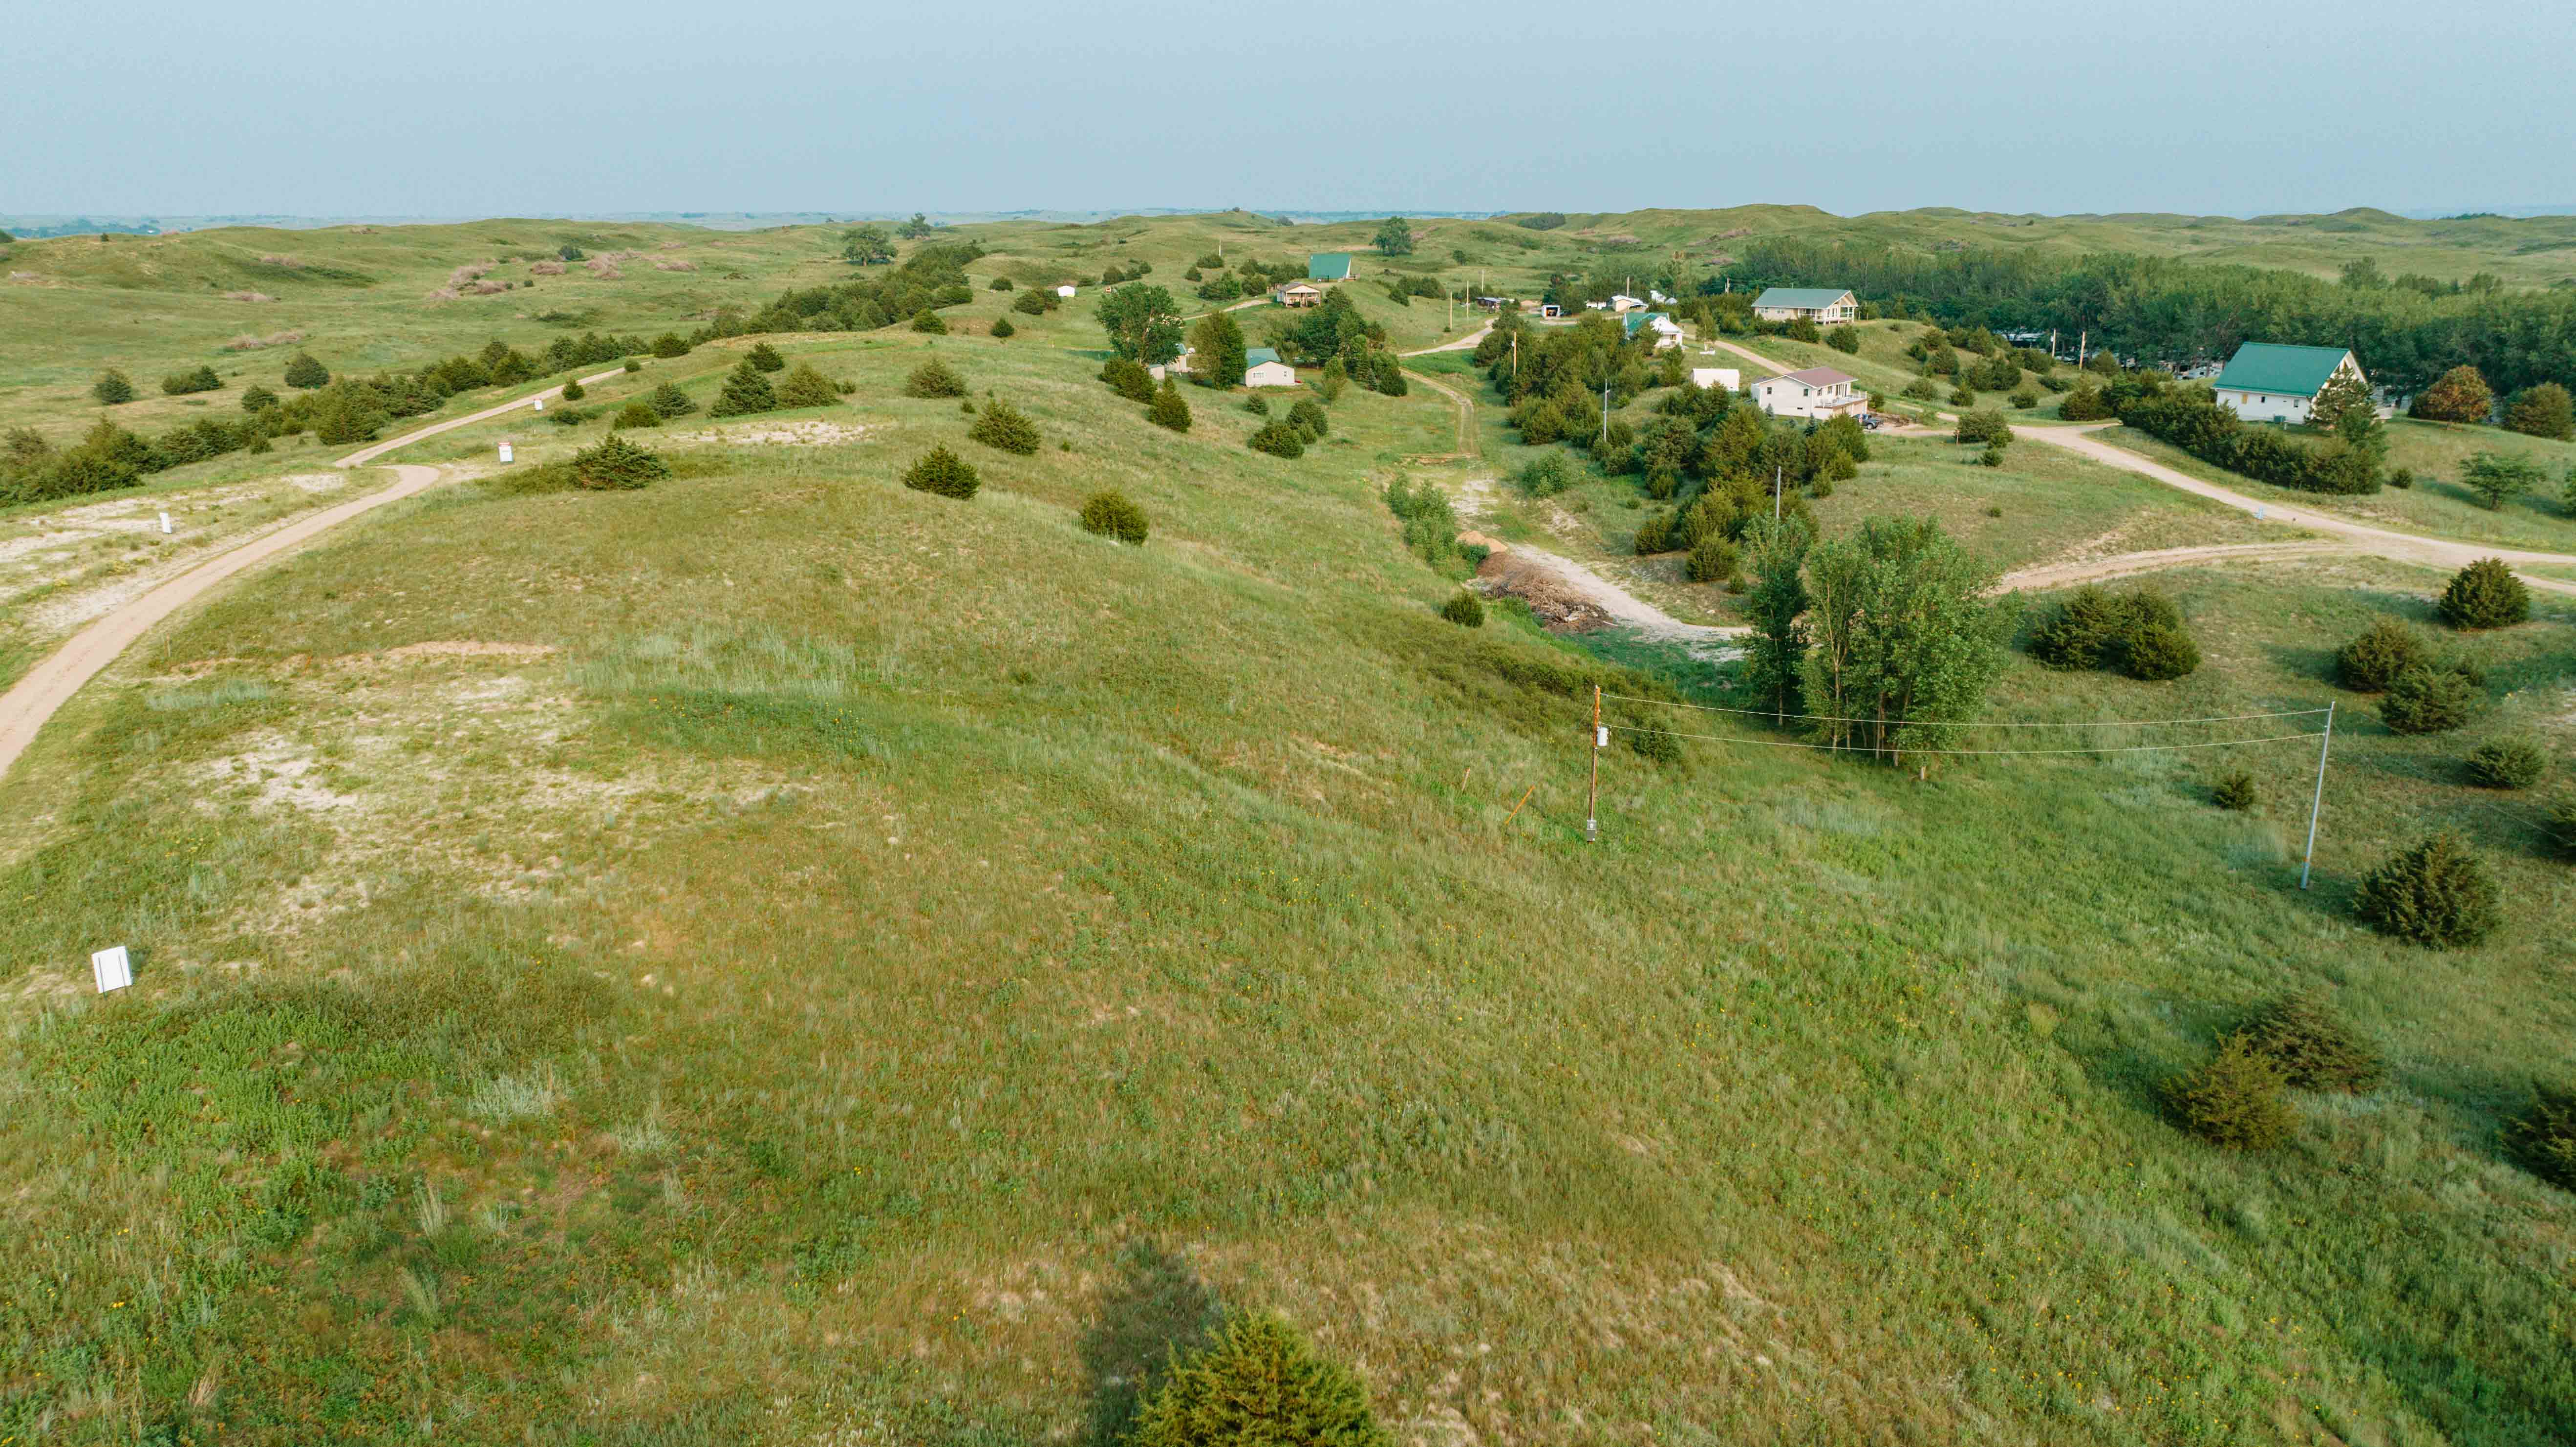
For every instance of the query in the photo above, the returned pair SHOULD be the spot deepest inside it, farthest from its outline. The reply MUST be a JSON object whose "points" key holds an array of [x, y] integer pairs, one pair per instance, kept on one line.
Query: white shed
{"points": [[1066, 292], [1262, 368], [1727, 378]]}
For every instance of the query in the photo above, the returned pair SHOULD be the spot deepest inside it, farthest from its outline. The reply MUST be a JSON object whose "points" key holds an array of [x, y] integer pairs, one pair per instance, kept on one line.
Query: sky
{"points": [[475, 109]]}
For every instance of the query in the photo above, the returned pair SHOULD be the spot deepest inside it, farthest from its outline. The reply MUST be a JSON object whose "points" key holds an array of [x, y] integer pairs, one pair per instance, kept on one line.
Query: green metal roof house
{"points": [[1329, 266], [1262, 368], [1823, 305], [2269, 382]]}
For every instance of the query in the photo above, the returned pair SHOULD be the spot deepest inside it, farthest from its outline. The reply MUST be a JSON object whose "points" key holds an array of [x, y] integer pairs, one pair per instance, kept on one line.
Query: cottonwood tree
{"points": [[916, 228], [1217, 351], [1903, 640], [1395, 238], [1775, 550], [2461, 396], [1143, 323], [2542, 411], [866, 245]]}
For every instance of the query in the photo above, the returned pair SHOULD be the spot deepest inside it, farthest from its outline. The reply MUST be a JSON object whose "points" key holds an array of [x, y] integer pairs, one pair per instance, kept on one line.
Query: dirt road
{"points": [[2043, 576], [2355, 537], [1624, 608], [2402, 547], [29, 703], [1466, 417], [51, 684], [1463, 344]]}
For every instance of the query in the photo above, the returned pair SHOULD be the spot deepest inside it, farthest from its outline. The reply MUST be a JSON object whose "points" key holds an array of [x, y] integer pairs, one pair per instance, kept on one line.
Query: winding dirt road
{"points": [[2354, 537], [33, 700]]}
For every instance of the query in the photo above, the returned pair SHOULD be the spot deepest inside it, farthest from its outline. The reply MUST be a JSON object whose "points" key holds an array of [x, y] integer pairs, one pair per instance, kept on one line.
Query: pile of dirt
{"points": [[1506, 574]]}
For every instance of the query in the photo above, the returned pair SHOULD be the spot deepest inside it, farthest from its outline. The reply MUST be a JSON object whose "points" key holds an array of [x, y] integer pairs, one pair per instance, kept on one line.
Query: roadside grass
{"points": [[892, 938], [2433, 507]]}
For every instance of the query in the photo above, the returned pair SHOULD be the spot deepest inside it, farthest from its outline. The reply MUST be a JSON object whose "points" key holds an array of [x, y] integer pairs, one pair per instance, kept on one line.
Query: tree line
{"points": [[2407, 332]]}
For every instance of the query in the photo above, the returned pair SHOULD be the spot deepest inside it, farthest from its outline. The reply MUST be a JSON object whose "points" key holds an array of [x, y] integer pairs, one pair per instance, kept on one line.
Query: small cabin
{"points": [[1262, 368]]}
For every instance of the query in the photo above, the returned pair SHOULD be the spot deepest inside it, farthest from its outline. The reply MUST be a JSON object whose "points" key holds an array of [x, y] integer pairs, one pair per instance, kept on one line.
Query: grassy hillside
{"points": [[363, 297], [779, 957]]}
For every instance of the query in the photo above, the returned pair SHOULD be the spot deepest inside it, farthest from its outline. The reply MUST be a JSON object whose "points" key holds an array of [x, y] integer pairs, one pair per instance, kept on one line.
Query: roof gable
{"points": [[2288, 371], [1328, 266], [1258, 355], [1809, 298]]}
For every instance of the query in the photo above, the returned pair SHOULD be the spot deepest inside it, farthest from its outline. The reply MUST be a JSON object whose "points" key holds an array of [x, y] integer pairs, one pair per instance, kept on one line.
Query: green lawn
{"points": [[891, 949]]}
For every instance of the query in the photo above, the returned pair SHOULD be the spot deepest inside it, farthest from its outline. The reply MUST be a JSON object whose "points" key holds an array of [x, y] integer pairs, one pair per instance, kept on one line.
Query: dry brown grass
{"points": [[546, 268], [604, 268], [248, 296], [248, 343], [675, 266], [279, 259]]}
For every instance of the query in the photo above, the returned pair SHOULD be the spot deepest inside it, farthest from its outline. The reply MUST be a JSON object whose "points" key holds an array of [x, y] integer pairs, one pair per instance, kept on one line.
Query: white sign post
{"points": [[113, 969], [165, 522], [505, 452], [541, 404]]}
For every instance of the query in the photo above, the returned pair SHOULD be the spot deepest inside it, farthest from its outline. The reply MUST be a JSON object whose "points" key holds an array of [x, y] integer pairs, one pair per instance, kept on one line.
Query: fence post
{"points": [[1592, 798]]}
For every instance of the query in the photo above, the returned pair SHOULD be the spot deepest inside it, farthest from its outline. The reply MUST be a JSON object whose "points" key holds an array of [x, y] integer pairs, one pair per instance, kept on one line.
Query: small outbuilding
{"points": [[1824, 306], [1329, 266], [2267, 382], [1814, 392], [1066, 292], [1726, 378], [1180, 364], [1298, 293], [1262, 368], [1668, 333]]}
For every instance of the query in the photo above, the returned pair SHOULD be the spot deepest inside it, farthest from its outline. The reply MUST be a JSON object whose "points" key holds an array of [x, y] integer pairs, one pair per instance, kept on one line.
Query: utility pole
{"points": [[1775, 492], [1605, 409], [2079, 346], [2316, 804], [1592, 799]]}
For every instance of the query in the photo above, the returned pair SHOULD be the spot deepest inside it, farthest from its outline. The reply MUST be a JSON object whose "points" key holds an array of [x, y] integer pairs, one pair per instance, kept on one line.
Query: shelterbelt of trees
{"points": [[2408, 330]]}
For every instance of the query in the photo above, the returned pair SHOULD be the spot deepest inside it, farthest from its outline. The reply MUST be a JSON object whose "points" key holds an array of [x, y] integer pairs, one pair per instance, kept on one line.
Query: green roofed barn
{"points": [[1822, 305], [2267, 382], [1329, 266]]}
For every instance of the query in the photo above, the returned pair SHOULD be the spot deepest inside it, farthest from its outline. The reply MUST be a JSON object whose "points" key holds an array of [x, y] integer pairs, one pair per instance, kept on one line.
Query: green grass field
{"points": [[778, 957]]}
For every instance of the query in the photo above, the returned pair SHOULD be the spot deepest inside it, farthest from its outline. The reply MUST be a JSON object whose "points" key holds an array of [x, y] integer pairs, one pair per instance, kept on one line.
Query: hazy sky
{"points": [[472, 108]]}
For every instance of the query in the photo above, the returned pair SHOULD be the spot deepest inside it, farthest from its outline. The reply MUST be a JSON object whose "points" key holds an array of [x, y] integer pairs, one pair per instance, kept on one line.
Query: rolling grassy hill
{"points": [[778, 957]]}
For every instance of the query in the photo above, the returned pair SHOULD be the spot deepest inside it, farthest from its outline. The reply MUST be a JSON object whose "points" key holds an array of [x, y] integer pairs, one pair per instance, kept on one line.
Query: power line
{"points": [[1968, 723], [1851, 749]]}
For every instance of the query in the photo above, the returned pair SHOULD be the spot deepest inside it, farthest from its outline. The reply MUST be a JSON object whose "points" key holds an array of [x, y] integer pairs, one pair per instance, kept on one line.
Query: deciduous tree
{"points": [[1143, 323]]}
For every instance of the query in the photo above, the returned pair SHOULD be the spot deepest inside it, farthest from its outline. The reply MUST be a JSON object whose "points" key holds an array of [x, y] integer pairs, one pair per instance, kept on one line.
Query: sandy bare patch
{"points": [[248, 343], [251, 296], [469, 777], [675, 266], [468, 648], [546, 268], [812, 433]]}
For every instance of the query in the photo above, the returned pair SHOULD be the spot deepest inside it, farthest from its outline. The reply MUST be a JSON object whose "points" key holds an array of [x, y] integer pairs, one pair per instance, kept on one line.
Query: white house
{"points": [[1822, 305], [1815, 392], [1180, 364], [1668, 333], [2265, 382], [1727, 378], [1262, 368], [1066, 292], [1622, 302]]}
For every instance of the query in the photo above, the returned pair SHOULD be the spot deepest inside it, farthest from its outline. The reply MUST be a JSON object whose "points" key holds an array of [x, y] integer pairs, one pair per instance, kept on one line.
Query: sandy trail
{"points": [[1463, 344], [33, 700], [2043, 576]]}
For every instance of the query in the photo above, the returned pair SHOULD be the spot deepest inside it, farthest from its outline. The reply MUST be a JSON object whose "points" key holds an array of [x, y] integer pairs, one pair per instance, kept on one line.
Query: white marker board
{"points": [[112, 968], [505, 452]]}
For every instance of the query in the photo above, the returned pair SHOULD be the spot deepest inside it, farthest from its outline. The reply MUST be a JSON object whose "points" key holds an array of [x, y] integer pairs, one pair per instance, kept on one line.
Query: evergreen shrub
{"points": [[2426, 700], [617, 464], [1111, 515], [2485, 594], [934, 378], [2235, 1100], [1004, 426], [943, 472], [2315, 1048], [2507, 764], [2436, 893], [2372, 661]]}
